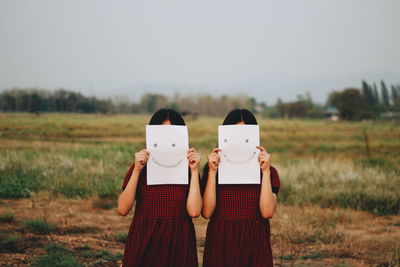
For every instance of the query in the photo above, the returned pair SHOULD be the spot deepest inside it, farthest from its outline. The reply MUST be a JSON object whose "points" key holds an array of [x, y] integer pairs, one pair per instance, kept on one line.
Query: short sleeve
{"points": [[128, 176], [275, 182]]}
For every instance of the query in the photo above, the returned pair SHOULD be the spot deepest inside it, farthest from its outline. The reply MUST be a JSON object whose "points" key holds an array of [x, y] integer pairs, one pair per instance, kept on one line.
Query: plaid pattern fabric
{"points": [[161, 233], [237, 235]]}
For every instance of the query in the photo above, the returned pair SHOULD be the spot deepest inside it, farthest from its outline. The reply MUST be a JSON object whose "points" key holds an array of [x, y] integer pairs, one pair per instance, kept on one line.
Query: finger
{"points": [[214, 159], [216, 150], [261, 148]]}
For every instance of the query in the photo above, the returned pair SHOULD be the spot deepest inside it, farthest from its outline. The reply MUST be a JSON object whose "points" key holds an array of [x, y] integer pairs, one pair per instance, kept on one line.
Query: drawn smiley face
{"points": [[170, 145], [238, 143], [167, 144], [238, 159]]}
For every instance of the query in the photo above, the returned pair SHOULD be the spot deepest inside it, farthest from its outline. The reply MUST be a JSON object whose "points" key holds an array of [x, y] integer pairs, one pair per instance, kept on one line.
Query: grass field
{"points": [[339, 199]]}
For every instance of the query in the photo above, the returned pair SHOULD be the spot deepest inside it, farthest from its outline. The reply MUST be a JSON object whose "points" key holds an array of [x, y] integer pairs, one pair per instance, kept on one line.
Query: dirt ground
{"points": [[94, 225]]}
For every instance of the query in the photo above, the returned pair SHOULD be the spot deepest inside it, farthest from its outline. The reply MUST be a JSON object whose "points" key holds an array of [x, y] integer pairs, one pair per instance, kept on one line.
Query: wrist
{"points": [[212, 171], [136, 170], [266, 170], [194, 169]]}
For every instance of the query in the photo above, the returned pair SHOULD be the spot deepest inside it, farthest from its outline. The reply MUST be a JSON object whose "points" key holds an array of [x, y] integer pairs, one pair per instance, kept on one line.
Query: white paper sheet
{"points": [[168, 146], [239, 156]]}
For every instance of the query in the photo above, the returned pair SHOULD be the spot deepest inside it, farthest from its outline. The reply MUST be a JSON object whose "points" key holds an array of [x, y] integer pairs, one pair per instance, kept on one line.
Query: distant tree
{"points": [[375, 95], [36, 103], [396, 96], [368, 94], [350, 103], [385, 94]]}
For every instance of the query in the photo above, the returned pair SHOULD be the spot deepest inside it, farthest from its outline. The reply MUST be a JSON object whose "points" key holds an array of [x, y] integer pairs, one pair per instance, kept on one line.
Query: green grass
{"points": [[121, 237], [7, 217], [82, 156], [9, 243], [57, 256], [343, 184], [16, 182], [102, 254], [39, 226]]}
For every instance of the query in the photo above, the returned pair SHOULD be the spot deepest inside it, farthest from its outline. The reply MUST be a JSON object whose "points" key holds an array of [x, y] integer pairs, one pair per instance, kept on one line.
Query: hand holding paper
{"points": [[264, 158], [214, 159], [239, 154], [194, 159], [141, 158], [168, 161]]}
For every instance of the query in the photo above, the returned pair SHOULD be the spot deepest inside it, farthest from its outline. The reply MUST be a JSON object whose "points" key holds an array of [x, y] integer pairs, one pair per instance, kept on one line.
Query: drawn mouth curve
{"points": [[240, 161], [166, 165]]}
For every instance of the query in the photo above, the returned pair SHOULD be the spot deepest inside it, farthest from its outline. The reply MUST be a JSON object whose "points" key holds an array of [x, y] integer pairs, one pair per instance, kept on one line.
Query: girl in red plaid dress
{"points": [[162, 231], [238, 233]]}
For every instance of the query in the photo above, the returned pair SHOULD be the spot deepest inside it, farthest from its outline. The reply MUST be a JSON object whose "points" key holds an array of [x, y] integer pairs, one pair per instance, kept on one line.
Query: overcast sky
{"points": [[265, 49]]}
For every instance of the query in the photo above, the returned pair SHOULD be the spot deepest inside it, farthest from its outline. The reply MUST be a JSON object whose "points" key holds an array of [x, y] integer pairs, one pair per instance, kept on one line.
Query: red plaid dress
{"points": [[161, 233], [237, 235]]}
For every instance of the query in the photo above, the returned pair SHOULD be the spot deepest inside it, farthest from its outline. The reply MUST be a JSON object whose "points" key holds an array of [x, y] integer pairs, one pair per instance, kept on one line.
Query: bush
{"points": [[39, 226]]}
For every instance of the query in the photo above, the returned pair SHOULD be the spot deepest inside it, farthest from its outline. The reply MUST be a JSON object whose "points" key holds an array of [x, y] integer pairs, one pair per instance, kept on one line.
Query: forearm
{"points": [[267, 197], [194, 201], [127, 197], [210, 195]]}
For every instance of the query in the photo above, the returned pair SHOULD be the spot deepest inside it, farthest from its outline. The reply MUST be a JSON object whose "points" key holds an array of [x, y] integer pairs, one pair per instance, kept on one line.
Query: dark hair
{"points": [[164, 114], [238, 115]]}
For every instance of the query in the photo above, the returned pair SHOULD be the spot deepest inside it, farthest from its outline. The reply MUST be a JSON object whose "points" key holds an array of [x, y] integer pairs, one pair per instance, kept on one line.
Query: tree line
{"points": [[368, 102], [351, 103]]}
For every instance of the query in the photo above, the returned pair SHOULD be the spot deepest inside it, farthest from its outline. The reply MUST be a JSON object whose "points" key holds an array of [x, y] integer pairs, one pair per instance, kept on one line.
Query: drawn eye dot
{"points": [[173, 144], [247, 140], [155, 145], [225, 140]]}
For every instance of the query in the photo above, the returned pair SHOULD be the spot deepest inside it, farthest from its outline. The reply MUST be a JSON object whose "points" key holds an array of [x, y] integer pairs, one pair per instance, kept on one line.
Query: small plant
{"points": [[9, 243], [6, 216], [39, 226], [315, 255], [55, 247], [287, 257], [57, 256], [105, 204], [121, 237], [102, 254]]}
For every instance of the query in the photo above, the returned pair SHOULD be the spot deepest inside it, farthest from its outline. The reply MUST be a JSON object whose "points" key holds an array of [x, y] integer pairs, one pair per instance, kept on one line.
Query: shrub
{"points": [[39, 226]]}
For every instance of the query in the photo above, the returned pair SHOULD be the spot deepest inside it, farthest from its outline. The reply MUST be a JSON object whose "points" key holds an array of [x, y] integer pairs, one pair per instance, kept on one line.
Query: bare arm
{"points": [[210, 192], [194, 202], [268, 199], [127, 197]]}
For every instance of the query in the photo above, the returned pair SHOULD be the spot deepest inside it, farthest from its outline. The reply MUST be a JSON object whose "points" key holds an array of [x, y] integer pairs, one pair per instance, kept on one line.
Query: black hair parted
{"points": [[164, 114], [240, 115]]}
